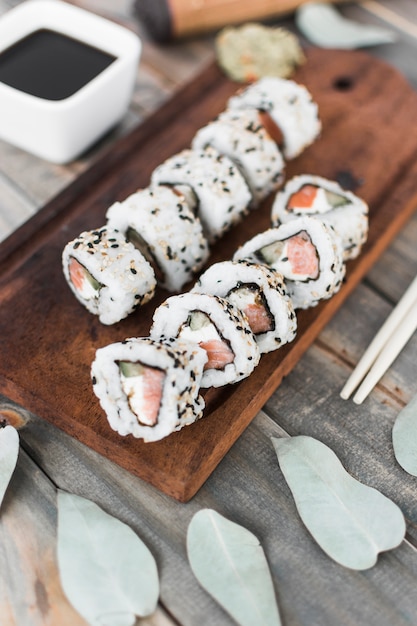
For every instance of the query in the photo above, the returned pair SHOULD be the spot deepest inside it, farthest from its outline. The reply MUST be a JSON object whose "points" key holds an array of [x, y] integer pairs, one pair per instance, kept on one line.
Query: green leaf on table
{"points": [[106, 571], [230, 564], [350, 521], [9, 451], [324, 26], [404, 437]]}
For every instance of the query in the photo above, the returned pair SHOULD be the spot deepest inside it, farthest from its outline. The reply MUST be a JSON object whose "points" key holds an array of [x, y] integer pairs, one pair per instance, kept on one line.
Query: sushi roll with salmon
{"points": [[327, 200], [215, 325], [107, 275], [260, 293], [289, 112], [148, 388], [158, 222], [307, 252], [241, 136], [221, 193]]}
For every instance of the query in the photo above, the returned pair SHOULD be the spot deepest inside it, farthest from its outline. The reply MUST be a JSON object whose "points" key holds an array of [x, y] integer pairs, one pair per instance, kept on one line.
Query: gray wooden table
{"points": [[247, 487]]}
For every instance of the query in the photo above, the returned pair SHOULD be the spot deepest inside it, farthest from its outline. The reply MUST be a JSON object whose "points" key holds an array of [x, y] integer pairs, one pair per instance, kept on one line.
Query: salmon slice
{"points": [[249, 299], [77, 273], [82, 280], [302, 256], [303, 198], [218, 354], [296, 257], [200, 328], [258, 317], [271, 128], [143, 386], [153, 383]]}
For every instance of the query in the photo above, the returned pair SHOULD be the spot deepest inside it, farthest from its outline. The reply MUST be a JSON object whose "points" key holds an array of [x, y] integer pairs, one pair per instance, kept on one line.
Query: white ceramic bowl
{"points": [[60, 130]]}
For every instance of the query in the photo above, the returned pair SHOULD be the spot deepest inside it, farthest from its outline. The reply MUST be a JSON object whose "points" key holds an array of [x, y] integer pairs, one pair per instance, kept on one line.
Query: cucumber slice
{"points": [[271, 253], [129, 368], [82, 280], [198, 320], [144, 248], [335, 199], [93, 282]]}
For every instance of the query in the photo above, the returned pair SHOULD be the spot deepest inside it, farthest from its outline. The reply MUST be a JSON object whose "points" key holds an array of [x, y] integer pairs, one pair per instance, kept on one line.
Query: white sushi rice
{"points": [[304, 291], [171, 320], [221, 279], [291, 107], [121, 277], [182, 363], [349, 219], [240, 135], [173, 235], [222, 193]]}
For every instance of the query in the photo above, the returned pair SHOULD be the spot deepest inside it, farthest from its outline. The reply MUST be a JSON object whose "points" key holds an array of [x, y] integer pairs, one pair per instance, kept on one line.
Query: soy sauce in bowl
{"points": [[51, 65]]}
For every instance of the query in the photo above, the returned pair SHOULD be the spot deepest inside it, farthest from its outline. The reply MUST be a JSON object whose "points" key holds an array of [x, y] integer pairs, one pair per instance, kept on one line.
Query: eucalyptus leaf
{"points": [[404, 437], [230, 564], [9, 451], [324, 26], [350, 521], [106, 571]]}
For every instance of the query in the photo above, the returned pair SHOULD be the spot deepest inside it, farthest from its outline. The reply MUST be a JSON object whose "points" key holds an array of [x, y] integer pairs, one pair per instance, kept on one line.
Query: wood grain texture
{"points": [[58, 338], [28, 529], [28, 526], [246, 486]]}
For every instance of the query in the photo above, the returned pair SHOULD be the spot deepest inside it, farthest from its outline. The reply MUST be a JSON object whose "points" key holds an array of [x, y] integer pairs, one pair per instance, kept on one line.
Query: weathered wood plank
{"points": [[249, 488], [309, 404], [401, 18], [364, 312], [398, 266], [158, 520], [17, 206], [30, 593]]}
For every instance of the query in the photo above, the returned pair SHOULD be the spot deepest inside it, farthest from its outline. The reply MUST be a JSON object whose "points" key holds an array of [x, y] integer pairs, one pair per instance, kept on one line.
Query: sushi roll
{"points": [[107, 274], [148, 388], [222, 194], [327, 200], [307, 252], [159, 222], [215, 325], [260, 293], [290, 114], [241, 136]]}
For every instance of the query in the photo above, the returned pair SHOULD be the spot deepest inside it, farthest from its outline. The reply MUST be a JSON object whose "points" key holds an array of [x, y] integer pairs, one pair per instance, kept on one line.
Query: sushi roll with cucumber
{"points": [[307, 252], [289, 112], [158, 222], [241, 136], [221, 193], [148, 388], [260, 293], [327, 200], [215, 325], [107, 275]]}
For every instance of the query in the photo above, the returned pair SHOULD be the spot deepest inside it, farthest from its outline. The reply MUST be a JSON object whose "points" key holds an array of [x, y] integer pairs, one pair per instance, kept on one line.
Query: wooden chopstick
{"points": [[388, 354], [385, 347]]}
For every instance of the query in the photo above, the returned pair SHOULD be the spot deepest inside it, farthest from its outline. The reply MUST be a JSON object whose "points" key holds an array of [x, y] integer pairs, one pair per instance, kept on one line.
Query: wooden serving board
{"points": [[48, 340]]}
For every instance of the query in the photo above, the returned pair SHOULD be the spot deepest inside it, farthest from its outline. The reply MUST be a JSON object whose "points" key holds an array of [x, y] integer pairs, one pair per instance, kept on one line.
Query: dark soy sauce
{"points": [[50, 65]]}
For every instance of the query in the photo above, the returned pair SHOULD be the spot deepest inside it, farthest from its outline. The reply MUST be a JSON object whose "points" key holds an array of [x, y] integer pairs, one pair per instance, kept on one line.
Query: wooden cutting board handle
{"points": [[171, 19]]}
